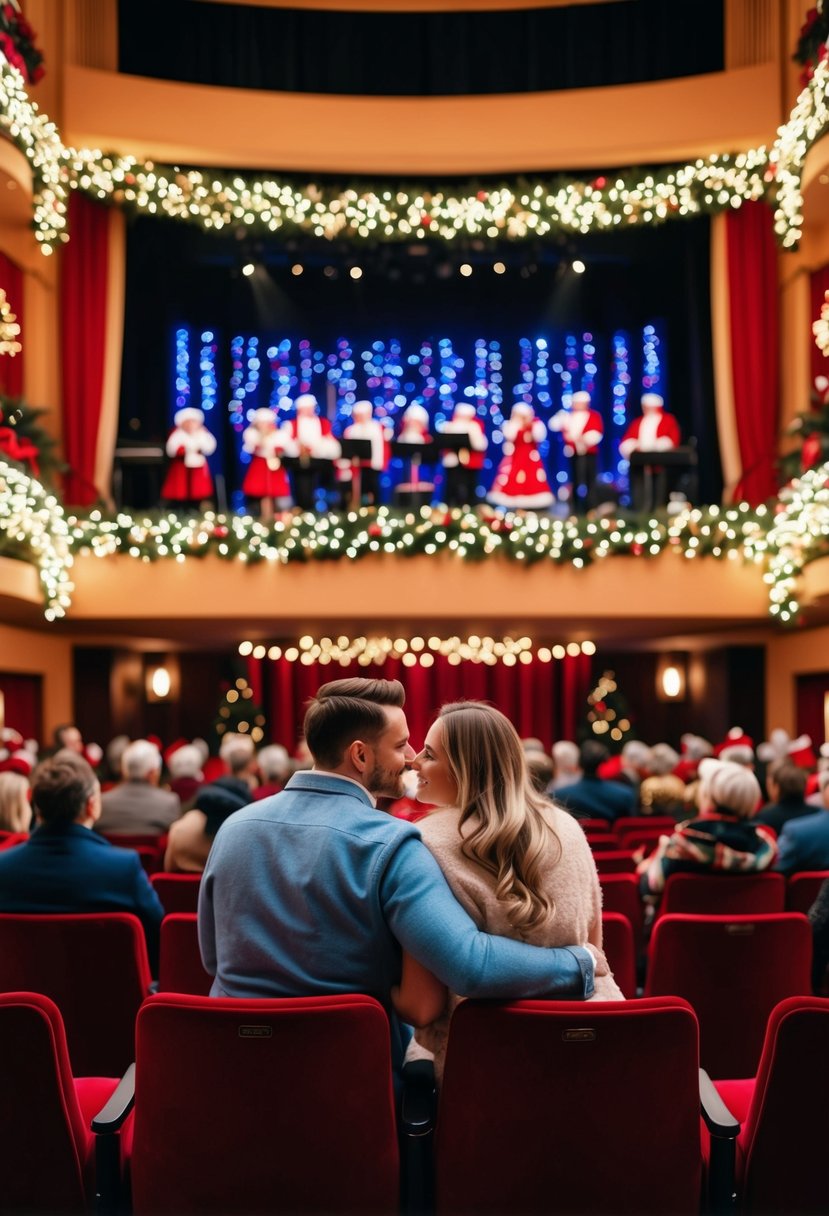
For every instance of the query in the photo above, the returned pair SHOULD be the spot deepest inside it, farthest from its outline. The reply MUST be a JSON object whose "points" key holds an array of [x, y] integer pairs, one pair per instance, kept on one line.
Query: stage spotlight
{"points": [[579, 266], [466, 270], [356, 272], [248, 269], [499, 268], [296, 269]]}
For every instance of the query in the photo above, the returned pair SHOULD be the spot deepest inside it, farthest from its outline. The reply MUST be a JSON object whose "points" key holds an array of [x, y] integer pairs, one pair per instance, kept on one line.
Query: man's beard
{"points": [[383, 783]]}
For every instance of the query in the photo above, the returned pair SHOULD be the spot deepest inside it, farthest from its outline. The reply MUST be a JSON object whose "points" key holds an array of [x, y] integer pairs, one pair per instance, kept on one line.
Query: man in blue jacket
{"points": [[65, 867], [315, 890]]}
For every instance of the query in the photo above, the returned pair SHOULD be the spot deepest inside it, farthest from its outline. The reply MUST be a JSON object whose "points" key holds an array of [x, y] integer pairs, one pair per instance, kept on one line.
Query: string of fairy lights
{"points": [[415, 651], [538, 207]]}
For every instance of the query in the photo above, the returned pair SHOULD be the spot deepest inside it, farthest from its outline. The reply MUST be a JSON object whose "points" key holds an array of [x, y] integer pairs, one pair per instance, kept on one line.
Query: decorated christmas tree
{"points": [[238, 714], [607, 717]]}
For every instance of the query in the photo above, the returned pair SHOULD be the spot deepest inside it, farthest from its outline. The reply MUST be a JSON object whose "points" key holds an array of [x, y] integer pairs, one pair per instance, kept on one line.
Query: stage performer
{"points": [[582, 430], [461, 470], [655, 431], [365, 426], [266, 479], [316, 449], [521, 482], [188, 477], [415, 425]]}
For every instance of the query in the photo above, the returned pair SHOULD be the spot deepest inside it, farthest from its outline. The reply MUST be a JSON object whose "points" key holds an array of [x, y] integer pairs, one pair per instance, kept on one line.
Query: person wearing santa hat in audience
{"points": [[189, 444], [316, 448], [365, 426], [266, 481], [654, 431], [582, 429], [520, 481], [461, 470]]}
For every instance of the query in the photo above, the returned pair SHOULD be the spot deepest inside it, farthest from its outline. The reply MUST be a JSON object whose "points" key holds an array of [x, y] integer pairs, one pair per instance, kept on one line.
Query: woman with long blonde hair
{"points": [[15, 808], [519, 865]]}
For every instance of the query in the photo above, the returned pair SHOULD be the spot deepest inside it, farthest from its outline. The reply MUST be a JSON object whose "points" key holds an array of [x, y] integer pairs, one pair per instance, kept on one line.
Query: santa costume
{"points": [[366, 426], [463, 469], [582, 429], [521, 482], [312, 440], [267, 444], [188, 477], [655, 431]]}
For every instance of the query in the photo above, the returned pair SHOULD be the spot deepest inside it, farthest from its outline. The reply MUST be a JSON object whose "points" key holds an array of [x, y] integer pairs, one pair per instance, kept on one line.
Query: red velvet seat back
{"points": [[724, 894], [94, 967], [264, 1106], [642, 823], [44, 1146], [733, 970], [150, 847], [177, 892], [560, 1106], [802, 889], [620, 893], [180, 967], [615, 861], [786, 1134], [617, 935]]}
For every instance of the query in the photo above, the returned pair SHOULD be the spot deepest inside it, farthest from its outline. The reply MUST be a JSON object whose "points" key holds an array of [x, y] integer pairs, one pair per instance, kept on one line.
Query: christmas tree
{"points": [[238, 714], [607, 715]]}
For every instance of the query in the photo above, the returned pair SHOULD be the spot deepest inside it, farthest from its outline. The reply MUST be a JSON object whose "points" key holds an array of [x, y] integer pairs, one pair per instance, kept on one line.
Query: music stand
{"points": [[306, 473], [415, 492], [654, 467], [459, 480], [356, 450], [128, 456]]}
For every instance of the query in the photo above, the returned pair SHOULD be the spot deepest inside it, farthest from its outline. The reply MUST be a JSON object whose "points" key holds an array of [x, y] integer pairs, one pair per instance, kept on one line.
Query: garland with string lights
{"points": [[516, 210]]}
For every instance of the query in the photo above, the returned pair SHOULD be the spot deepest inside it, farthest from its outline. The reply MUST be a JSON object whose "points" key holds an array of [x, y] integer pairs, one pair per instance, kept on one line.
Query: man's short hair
{"points": [[592, 754], [789, 778], [345, 710], [61, 788], [237, 751], [139, 759]]}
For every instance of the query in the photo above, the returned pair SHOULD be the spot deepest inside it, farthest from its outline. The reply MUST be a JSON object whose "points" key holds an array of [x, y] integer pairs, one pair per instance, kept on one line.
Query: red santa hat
{"points": [[652, 401], [172, 749], [21, 762], [188, 414], [736, 737], [306, 403], [780, 746]]}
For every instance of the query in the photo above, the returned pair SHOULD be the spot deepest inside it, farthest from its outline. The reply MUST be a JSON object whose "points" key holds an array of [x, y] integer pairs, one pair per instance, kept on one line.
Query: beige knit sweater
{"points": [[570, 879]]}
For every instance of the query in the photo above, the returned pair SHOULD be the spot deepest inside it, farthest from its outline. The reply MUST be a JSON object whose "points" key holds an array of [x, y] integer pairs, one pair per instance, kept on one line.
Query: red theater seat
{"points": [[151, 848], [177, 892], [620, 893], [617, 939], [733, 970], [637, 824], [724, 894], [615, 861], [802, 889], [47, 1151], [179, 961]]}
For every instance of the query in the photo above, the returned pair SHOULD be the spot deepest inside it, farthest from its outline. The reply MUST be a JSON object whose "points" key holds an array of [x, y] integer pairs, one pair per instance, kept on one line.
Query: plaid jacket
{"points": [[717, 841]]}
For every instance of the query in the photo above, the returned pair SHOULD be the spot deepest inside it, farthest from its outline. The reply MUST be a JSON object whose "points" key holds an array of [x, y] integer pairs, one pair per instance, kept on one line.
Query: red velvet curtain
{"points": [[22, 704], [84, 311], [752, 282], [11, 366], [818, 286], [812, 692], [543, 700]]}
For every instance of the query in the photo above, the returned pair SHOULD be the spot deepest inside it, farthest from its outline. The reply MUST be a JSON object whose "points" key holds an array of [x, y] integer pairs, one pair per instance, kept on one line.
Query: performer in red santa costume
{"points": [[655, 431], [582, 429], [461, 470], [521, 482], [414, 429], [365, 426], [266, 479], [316, 448], [188, 446]]}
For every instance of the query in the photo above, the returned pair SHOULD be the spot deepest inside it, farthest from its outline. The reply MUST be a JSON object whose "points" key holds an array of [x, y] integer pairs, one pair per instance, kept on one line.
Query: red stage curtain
{"points": [[11, 367], [812, 691], [752, 283], [543, 700], [22, 704], [84, 311], [818, 286]]}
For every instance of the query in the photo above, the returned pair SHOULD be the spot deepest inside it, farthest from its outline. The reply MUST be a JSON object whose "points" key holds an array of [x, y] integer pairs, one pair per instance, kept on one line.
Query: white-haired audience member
{"points": [[724, 837], [275, 768], [661, 792], [566, 766], [238, 751], [184, 766], [136, 806]]}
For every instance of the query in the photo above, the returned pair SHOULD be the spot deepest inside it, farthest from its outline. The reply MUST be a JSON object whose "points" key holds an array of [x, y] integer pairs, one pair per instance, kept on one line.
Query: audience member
{"points": [[184, 766], [65, 867], [333, 888], [190, 838], [68, 736], [530, 744], [520, 866], [109, 773], [693, 748], [239, 755], [15, 808], [540, 770], [629, 767], [591, 797], [136, 806], [725, 836], [566, 767], [786, 785], [804, 842], [819, 920], [661, 791], [274, 765]]}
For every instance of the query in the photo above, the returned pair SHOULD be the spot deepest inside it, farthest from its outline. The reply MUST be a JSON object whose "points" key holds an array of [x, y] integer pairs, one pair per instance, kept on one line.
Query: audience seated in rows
{"points": [[190, 837], [137, 806], [786, 788], [566, 767], [661, 791], [725, 836], [184, 769], [592, 797], [804, 842], [275, 768], [66, 867]]}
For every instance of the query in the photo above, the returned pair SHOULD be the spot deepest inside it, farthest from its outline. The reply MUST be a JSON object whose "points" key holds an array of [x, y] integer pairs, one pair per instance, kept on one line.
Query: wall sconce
{"points": [[161, 680], [670, 678]]}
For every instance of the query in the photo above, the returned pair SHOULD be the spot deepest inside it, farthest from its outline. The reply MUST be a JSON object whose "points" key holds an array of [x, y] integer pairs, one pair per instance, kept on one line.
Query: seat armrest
{"points": [[110, 1118], [418, 1102], [723, 1130], [418, 1110]]}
